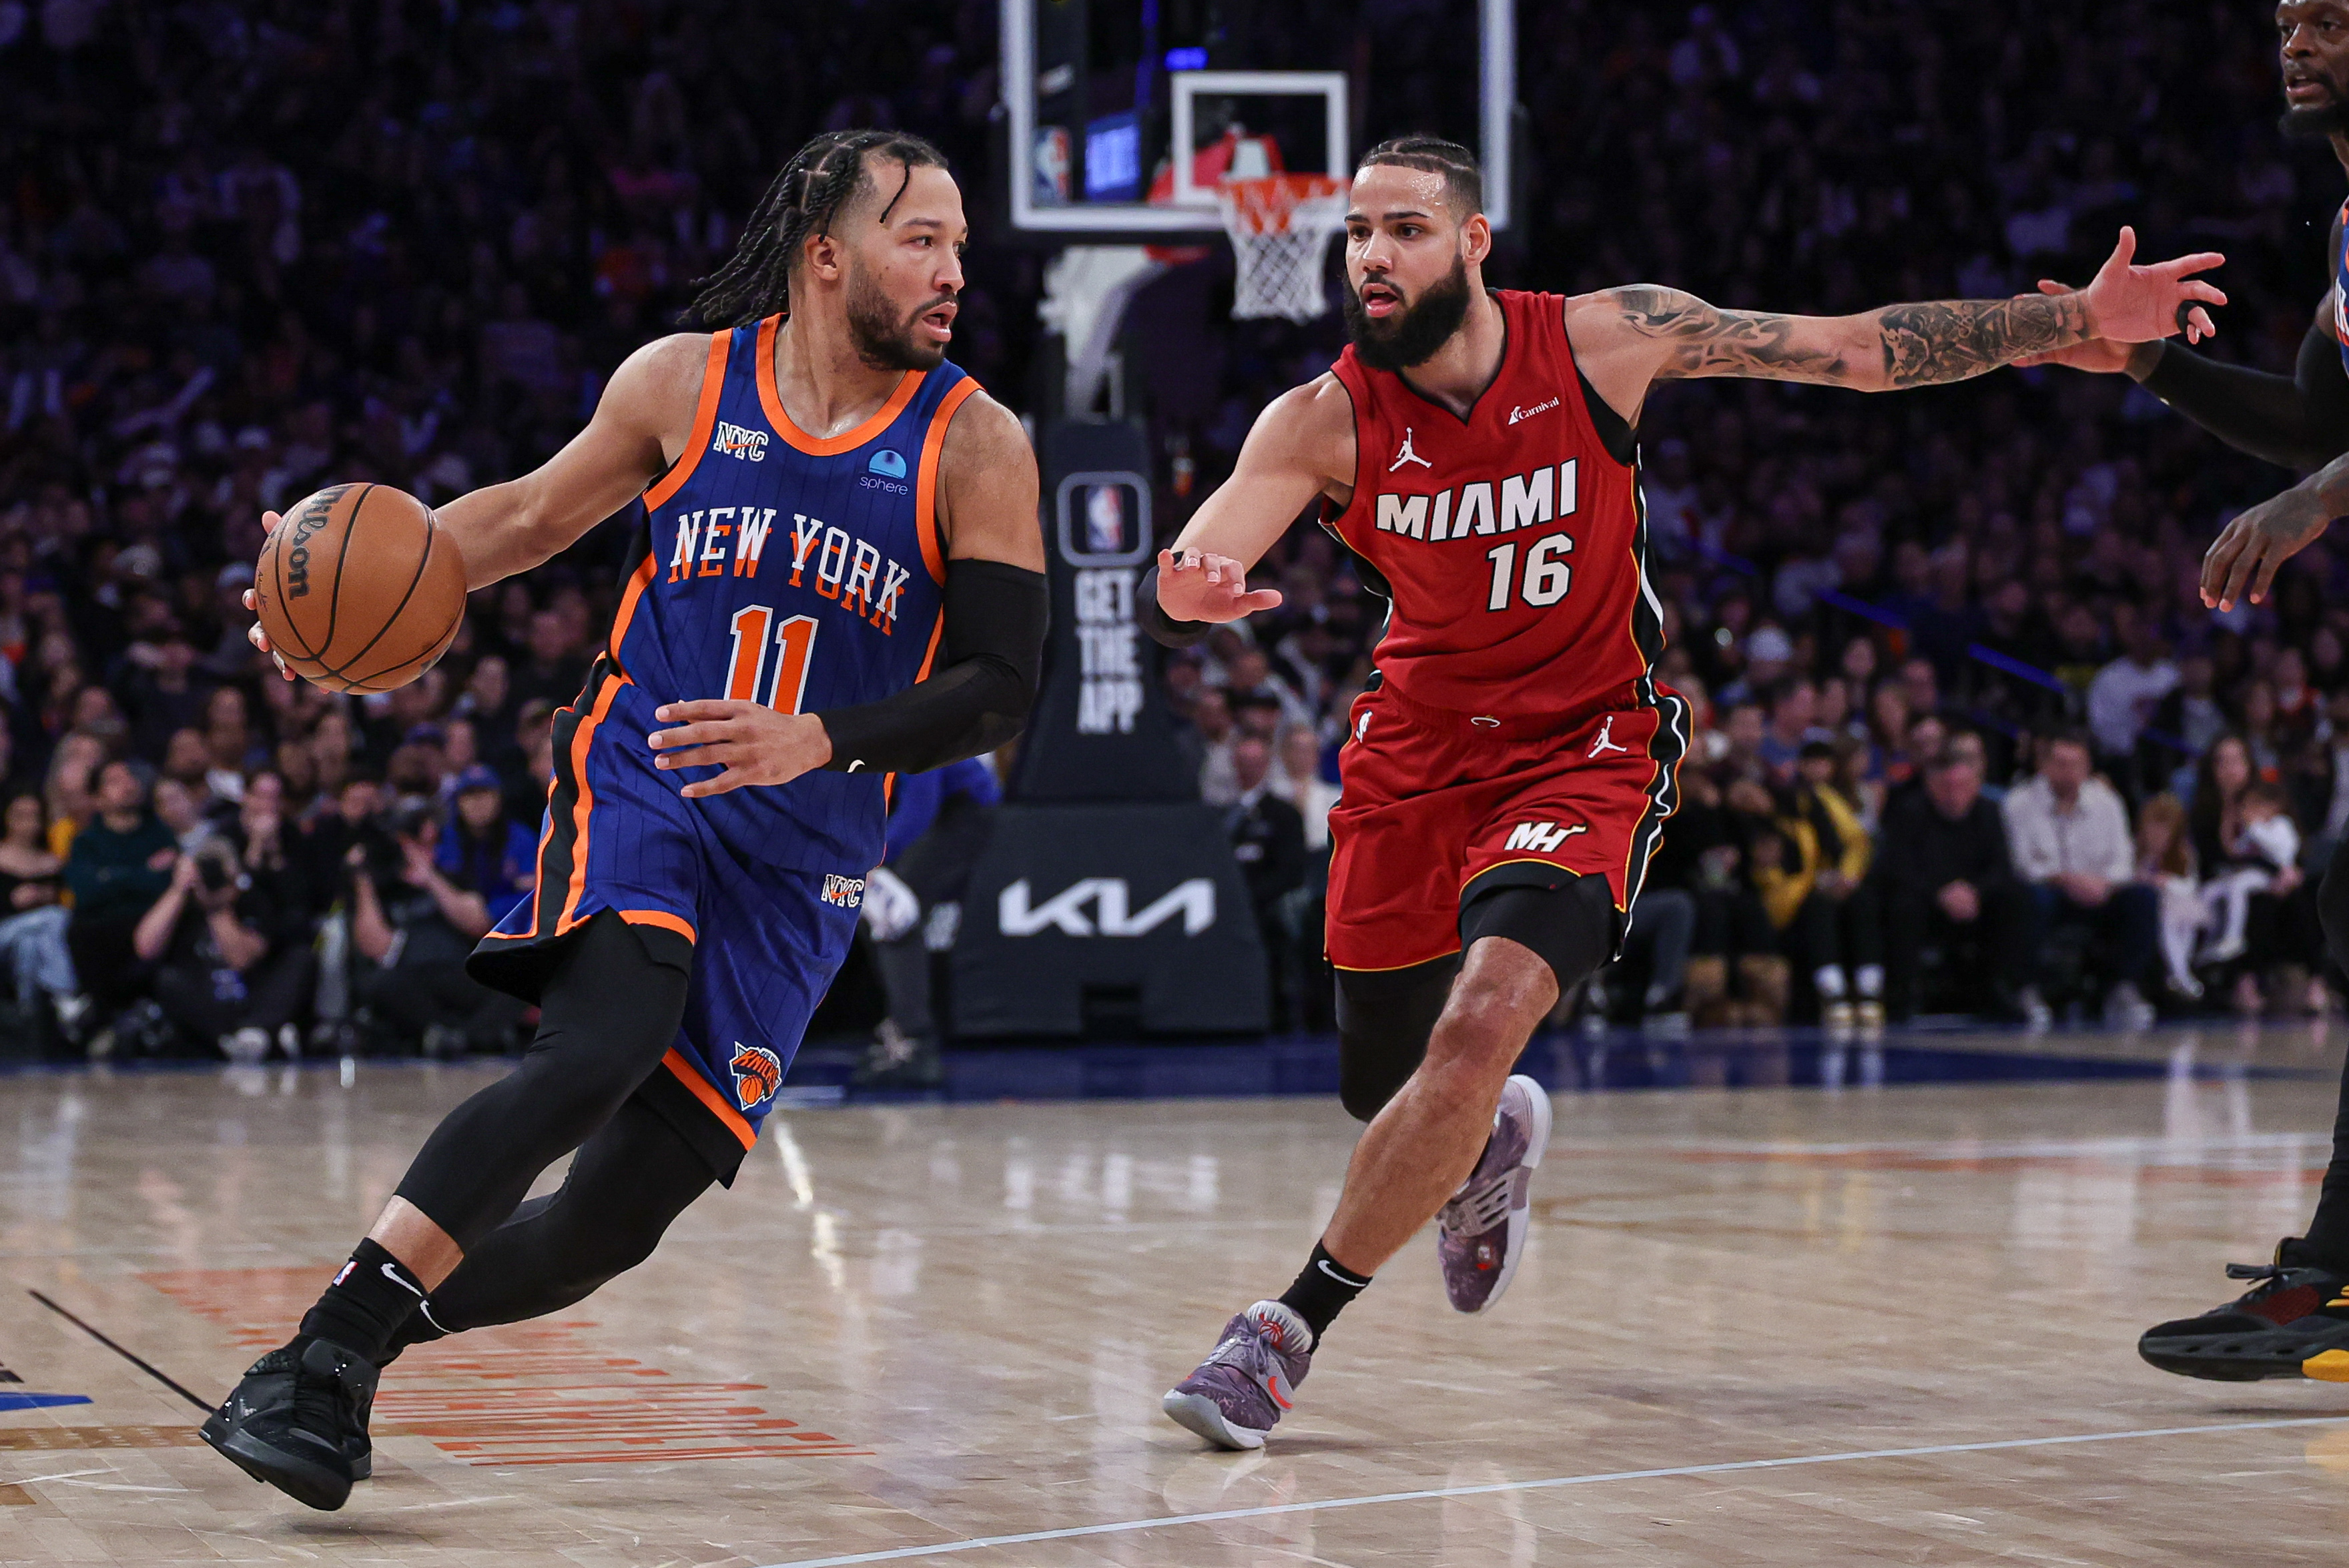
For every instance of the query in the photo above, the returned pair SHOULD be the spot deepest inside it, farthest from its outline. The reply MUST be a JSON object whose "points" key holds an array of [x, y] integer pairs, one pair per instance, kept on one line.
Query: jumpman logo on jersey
{"points": [[1606, 741], [1407, 455]]}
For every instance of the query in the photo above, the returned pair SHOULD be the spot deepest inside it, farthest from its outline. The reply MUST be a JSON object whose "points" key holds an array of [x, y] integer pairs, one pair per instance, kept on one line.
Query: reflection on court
{"points": [[1844, 1319]]}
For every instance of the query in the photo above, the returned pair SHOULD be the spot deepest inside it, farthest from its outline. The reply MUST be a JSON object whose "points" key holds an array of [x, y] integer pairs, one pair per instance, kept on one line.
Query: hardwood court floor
{"points": [[1761, 1326]]}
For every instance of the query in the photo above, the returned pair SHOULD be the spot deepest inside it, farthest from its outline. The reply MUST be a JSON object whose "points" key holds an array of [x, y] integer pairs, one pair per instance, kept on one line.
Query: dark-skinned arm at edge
{"points": [[2299, 421], [990, 659]]}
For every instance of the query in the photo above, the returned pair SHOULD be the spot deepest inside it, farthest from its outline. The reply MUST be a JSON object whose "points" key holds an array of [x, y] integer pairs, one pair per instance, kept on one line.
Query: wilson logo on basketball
{"points": [[306, 526], [757, 1074]]}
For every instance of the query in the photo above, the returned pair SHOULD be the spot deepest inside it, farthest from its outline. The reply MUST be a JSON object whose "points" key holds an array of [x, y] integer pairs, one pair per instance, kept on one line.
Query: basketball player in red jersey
{"points": [[1509, 773]]}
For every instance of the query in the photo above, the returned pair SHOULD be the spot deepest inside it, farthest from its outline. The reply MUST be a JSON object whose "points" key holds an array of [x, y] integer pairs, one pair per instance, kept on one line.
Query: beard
{"points": [[2318, 122], [1415, 332], [883, 339]]}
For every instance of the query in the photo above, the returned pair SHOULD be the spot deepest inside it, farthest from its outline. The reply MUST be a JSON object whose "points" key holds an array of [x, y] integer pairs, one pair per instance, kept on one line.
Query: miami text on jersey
{"points": [[1483, 505]]}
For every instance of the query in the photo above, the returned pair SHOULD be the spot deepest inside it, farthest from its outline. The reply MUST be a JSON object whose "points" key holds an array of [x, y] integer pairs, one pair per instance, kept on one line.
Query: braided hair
{"points": [[1463, 177], [820, 178]]}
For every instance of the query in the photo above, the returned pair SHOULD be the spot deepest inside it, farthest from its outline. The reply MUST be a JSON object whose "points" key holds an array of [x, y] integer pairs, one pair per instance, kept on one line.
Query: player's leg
{"points": [[1463, 1116], [627, 1183], [2294, 1321], [1447, 1125], [609, 1011], [1531, 923]]}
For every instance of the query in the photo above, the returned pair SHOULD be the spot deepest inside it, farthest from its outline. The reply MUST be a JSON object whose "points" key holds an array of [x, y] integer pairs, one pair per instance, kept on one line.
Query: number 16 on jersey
{"points": [[793, 639]]}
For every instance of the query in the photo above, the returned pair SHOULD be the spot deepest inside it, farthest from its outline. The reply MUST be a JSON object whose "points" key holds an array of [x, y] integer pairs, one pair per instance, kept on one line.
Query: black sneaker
{"points": [[298, 1421], [2293, 1324]]}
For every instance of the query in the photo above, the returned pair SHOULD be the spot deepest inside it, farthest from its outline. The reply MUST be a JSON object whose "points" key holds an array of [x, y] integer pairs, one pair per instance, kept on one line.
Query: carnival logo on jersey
{"points": [[1519, 501], [1518, 414], [1406, 455], [846, 568], [844, 892], [757, 1074], [735, 441]]}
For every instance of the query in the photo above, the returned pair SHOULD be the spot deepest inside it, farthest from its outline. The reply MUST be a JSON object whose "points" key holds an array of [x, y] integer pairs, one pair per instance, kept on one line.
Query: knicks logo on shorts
{"points": [[844, 892], [757, 1074]]}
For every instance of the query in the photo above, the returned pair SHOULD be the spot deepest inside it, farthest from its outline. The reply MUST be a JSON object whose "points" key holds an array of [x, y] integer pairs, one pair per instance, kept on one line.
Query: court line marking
{"points": [[147, 1366], [1127, 1526]]}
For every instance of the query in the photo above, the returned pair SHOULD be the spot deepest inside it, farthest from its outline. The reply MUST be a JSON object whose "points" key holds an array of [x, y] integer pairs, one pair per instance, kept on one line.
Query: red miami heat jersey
{"points": [[1513, 543]]}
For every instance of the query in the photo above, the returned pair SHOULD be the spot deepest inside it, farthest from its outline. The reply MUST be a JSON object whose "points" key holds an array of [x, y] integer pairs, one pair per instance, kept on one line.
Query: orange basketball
{"points": [[359, 589]]}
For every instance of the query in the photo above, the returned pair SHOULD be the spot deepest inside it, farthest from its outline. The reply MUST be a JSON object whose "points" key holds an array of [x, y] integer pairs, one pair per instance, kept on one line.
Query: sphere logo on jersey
{"points": [[757, 1074]]}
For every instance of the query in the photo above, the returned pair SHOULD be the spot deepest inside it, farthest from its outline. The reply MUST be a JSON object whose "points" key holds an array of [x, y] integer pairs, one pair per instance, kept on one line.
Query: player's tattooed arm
{"points": [[1654, 333], [1899, 346]]}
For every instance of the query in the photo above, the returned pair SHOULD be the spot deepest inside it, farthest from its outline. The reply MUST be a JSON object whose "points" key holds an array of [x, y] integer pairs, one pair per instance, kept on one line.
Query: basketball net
{"points": [[1280, 226]]}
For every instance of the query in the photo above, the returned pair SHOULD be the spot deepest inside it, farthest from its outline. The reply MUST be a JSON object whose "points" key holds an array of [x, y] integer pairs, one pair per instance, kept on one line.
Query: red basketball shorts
{"points": [[1434, 801]]}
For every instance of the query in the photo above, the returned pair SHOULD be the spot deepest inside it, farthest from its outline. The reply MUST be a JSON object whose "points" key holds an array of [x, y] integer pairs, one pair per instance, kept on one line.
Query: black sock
{"points": [[1322, 1290], [369, 1300]]}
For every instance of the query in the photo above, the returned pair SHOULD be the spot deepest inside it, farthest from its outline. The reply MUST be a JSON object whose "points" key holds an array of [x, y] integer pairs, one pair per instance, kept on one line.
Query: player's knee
{"points": [[1493, 1005]]}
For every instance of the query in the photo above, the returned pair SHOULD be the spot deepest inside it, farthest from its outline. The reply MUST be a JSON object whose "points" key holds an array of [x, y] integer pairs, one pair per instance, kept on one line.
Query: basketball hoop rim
{"points": [[1268, 204]]}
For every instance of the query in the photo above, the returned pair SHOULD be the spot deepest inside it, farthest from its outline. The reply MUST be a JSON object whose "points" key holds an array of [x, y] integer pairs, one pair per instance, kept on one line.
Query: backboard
{"points": [[1120, 115]]}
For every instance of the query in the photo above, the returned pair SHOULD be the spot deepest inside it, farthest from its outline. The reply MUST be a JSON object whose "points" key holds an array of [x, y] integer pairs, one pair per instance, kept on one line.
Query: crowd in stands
{"points": [[1956, 692]]}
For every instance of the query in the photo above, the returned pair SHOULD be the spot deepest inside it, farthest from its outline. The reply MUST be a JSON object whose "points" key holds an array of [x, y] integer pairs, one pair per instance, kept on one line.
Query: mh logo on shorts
{"points": [[843, 893], [757, 1074], [1542, 838]]}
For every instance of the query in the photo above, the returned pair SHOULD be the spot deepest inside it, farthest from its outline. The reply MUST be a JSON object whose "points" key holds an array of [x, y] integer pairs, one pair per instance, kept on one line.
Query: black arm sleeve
{"points": [[2302, 422], [978, 697], [1163, 627]]}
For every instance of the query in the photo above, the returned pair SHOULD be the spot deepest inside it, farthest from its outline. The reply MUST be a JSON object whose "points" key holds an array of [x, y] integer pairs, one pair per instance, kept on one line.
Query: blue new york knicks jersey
{"points": [[774, 566], [2341, 283], [798, 573]]}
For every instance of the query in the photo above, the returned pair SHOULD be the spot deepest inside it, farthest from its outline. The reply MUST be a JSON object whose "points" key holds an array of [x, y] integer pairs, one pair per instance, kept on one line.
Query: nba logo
{"points": [[1050, 163], [1105, 520]]}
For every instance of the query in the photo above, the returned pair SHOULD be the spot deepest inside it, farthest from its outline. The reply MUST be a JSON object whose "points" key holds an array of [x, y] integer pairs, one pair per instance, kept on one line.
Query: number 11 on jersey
{"points": [[794, 638]]}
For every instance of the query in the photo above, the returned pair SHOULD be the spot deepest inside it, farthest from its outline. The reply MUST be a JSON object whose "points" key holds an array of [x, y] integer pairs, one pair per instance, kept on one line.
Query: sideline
{"points": [[1127, 1526]]}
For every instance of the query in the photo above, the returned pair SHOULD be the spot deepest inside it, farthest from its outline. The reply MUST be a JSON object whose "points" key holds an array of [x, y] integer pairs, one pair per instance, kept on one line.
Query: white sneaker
{"points": [[2036, 1014], [2126, 1008], [247, 1044]]}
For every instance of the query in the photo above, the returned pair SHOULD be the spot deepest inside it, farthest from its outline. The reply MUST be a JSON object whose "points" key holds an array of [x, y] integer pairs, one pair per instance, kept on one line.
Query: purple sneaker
{"points": [[1481, 1232], [1240, 1390]]}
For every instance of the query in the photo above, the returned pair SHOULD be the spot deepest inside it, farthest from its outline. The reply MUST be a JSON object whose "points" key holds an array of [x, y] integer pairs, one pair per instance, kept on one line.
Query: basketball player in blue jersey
{"points": [[841, 576]]}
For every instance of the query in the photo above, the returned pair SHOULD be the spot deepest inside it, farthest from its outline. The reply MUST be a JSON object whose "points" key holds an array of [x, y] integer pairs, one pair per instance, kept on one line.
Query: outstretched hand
{"points": [[2102, 356], [2130, 303], [1196, 586]]}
